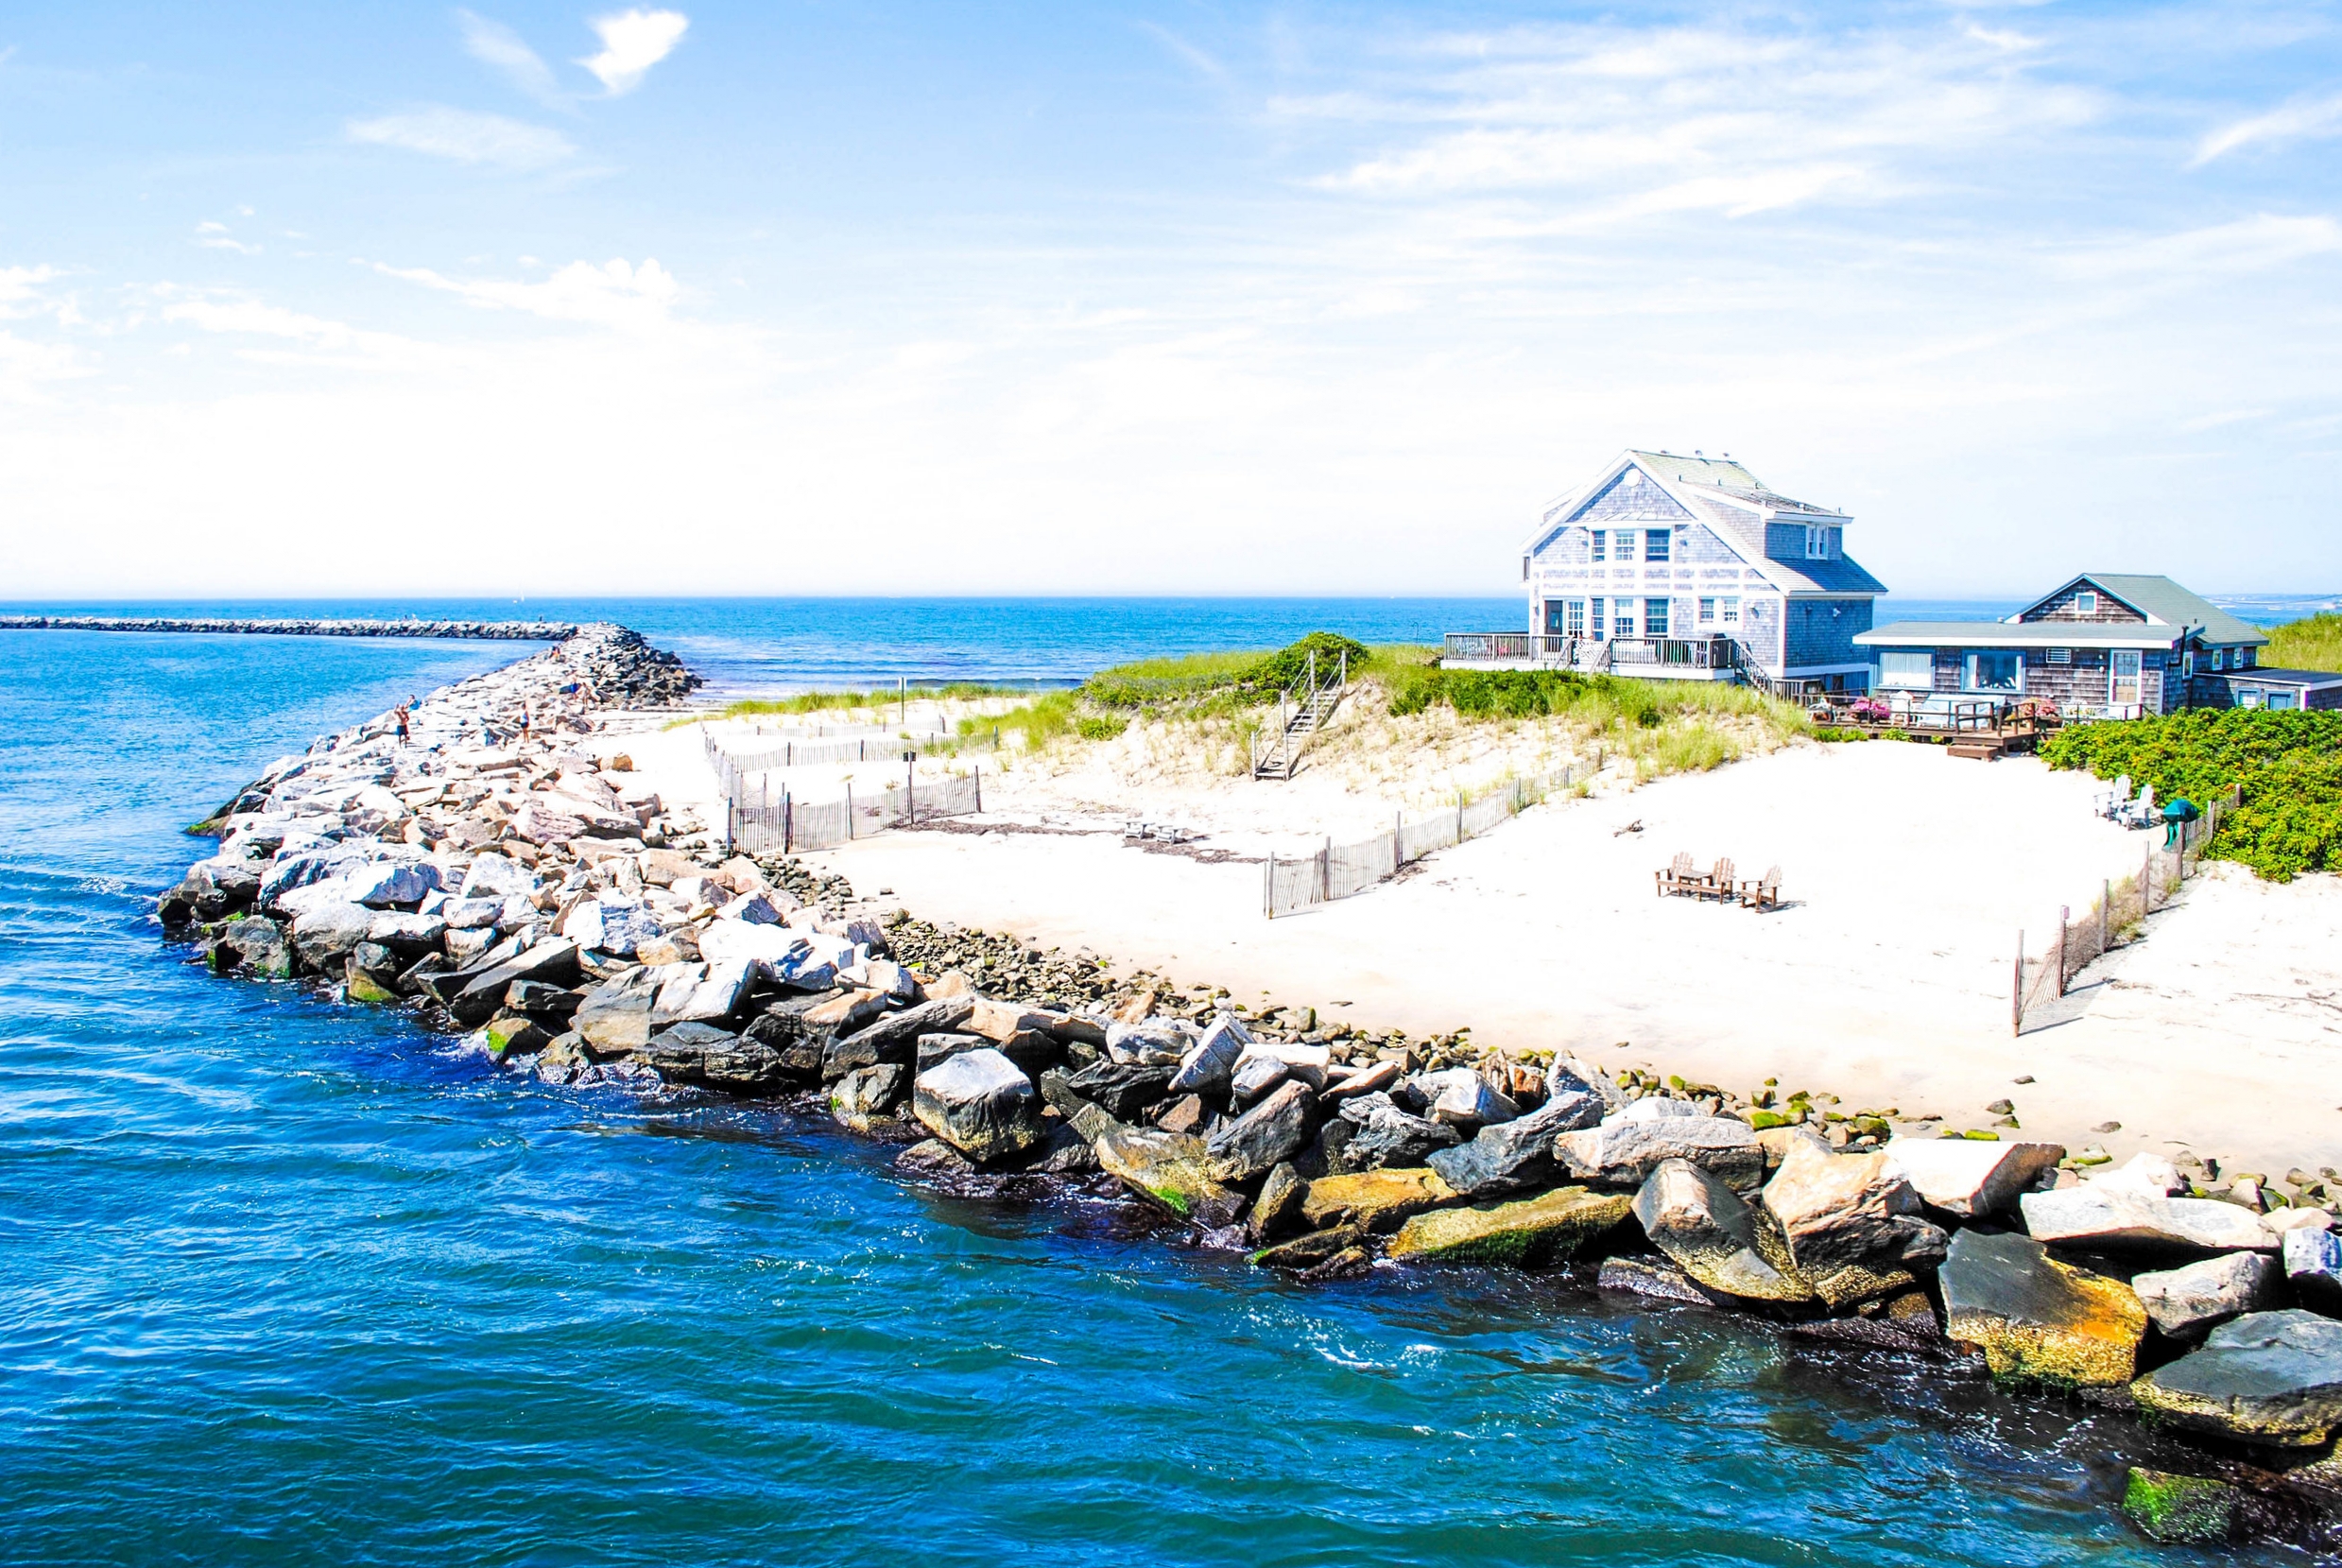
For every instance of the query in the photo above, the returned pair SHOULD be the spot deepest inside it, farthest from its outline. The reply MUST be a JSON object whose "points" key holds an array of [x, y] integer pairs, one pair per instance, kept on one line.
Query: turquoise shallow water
{"points": [[282, 1281]]}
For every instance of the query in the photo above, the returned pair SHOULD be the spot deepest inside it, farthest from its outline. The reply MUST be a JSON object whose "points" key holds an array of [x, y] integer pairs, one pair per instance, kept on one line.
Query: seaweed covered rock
{"points": [[2180, 1511], [2036, 1318], [1379, 1199], [1521, 1231], [2268, 1377], [1173, 1169], [1852, 1223], [1274, 1131], [1713, 1236]]}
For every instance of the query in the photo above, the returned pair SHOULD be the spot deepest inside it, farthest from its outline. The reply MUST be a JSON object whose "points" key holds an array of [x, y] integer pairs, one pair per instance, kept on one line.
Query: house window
{"points": [[1996, 670], [1574, 624], [1655, 544], [1816, 544], [2062, 656], [1622, 543], [1732, 611], [1912, 669], [1553, 618], [1598, 544], [1597, 620], [2220, 658], [1707, 611], [2281, 699], [2124, 683], [2085, 603], [1654, 617], [1622, 617], [2246, 657]]}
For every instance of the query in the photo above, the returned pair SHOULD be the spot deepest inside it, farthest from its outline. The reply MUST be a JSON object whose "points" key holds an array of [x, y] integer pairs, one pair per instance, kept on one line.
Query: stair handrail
{"points": [[1276, 755]]}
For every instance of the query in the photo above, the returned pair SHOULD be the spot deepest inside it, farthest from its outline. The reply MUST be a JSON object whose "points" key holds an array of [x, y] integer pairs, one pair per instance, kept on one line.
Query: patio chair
{"points": [[1679, 876], [2109, 803], [1764, 893], [2142, 811], [1722, 881]]}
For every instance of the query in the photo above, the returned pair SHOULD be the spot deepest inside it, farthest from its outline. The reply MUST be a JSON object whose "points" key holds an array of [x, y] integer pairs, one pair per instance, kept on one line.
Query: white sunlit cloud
{"points": [[2289, 122], [2249, 245], [616, 294], [466, 136], [494, 44], [1709, 119], [633, 43]]}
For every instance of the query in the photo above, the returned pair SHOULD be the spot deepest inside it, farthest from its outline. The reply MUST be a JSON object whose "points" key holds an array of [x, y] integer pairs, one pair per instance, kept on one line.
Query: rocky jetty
{"points": [[573, 926], [493, 631]]}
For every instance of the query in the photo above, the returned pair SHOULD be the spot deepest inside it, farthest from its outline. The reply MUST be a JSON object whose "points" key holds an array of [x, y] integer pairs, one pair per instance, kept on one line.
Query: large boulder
{"points": [[2187, 1302], [2269, 1377], [615, 1018], [980, 1104], [613, 925], [1969, 1177], [258, 945], [797, 1038], [382, 883], [1521, 1231], [2036, 1318], [1711, 1232], [1516, 1155], [408, 934], [1263, 1064], [326, 933], [894, 1036], [1624, 1148], [1463, 1099], [2111, 1215], [1386, 1135], [2180, 1511], [1120, 1090], [708, 1058], [2313, 1259], [1174, 1170], [867, 1095], [1277, 1211], [497, 876], [1211, 1061], [1852, 1223], [758, 941], [1376, 1199], [704, 993], [213, 888], [552, 962], [1276, 1130]]}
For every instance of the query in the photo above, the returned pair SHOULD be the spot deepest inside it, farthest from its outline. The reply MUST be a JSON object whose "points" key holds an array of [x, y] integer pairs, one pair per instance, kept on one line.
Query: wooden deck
{"points": [[1979, 728]]}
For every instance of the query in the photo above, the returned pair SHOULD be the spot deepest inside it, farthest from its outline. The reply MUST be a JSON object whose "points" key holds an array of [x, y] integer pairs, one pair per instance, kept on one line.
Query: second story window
{"points": [[1622, 543], [1731, 612], [2085, 603], [1597, 544], [1655, 544], [1816, 544]]}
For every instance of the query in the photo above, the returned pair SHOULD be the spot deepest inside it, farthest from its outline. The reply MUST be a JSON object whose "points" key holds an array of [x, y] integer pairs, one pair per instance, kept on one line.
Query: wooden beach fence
{"points": [[1341, 870], [2118, 908]]}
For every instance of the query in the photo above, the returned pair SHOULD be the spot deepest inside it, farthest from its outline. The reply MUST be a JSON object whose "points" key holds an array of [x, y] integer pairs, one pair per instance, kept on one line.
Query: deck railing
{"points": [[1591, 653]]}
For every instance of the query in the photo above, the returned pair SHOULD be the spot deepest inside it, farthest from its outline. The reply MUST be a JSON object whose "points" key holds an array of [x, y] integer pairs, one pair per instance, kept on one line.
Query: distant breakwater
{"points": [[488, 632], [494, 874]]}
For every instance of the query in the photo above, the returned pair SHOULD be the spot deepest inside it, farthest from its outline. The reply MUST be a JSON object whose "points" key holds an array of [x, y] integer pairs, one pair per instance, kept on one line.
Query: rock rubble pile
{"points": [[502, 883]]}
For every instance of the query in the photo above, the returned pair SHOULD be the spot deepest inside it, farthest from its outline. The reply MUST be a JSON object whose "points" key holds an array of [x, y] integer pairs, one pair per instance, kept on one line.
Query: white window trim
{"points": [[1968, 672], [1906, 683]]}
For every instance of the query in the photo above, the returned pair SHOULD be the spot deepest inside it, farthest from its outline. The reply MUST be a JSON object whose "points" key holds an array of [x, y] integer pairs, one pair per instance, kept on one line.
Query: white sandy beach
{"points": [[1886, 979]]}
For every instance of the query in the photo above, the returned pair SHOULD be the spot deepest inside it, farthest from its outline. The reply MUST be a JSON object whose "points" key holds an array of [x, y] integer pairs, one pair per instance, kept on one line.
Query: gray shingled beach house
{"points": [[1668, 567]]}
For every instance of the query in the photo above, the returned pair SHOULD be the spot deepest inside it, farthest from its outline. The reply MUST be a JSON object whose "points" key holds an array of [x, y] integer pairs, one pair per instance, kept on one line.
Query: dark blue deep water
{"points": [[283, 1281]]}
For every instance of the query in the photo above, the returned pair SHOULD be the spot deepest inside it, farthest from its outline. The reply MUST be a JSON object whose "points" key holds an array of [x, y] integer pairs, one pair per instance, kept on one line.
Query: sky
{"points": [[812, 298]]}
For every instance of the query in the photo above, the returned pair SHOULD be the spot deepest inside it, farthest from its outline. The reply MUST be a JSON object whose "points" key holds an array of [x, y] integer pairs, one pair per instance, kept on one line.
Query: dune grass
{"points": [[2311, 644]]}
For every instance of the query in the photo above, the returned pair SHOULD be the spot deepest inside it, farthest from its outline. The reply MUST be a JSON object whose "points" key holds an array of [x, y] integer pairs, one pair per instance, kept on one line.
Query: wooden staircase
{"points": [[1301, 711]]}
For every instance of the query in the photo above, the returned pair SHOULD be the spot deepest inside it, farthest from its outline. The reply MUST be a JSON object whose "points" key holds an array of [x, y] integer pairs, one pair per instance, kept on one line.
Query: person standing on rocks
{"points": [[399, 714]]}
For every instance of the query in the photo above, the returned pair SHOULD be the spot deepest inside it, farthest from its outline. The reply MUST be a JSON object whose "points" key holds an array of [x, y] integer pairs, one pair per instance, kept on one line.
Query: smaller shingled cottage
{"points": [[2104, 645]]}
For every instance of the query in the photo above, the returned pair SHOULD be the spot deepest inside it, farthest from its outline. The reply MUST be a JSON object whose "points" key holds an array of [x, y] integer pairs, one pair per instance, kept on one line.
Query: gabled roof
{"points": [[1735, 482], [2164, 602], [1712, 490], [1817, 576]]}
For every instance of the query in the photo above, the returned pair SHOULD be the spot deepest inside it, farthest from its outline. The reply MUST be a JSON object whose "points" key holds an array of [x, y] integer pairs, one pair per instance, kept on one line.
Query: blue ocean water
{"points": [[285, 1282]]}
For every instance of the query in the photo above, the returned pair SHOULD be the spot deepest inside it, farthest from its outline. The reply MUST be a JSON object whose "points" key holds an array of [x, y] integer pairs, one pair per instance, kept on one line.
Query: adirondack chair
{"points": [[2109, 803], [2142, 811], [1679, 876], [1722, 882], [1764, 893]]}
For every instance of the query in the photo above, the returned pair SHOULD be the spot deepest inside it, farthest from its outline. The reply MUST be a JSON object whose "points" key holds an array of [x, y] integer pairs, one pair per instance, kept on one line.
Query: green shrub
{"points": [[2288, 763], [1245, 678], [1100, 728]]}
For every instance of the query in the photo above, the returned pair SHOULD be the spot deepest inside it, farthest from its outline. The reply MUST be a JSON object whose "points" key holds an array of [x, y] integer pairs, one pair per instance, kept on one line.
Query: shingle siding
{"points": [[1822, 632], [2062, 607]]}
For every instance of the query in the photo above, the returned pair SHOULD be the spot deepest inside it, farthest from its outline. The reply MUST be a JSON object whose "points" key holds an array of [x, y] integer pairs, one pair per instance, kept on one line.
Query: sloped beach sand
{"points": [[1886, 979]]}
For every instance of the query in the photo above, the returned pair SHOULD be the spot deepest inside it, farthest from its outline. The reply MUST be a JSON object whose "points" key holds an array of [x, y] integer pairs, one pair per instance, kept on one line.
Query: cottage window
{"points": [[2085, 603], [2281, 699], [1622, 543], [1912, 669], [2246, 657], [1574, 624], [1622, 617], [1655, 544], [1816, 544], [1654, 617], [1598, 544], [1598, 620], [2062, 656], [1732, 611], [1996, 670], [2122, 675], [1707, 611]]}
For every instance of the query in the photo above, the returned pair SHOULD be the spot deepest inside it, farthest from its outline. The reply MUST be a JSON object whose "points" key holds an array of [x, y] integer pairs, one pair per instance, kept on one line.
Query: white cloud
{"points": [[1203, 64], [2249, 245], [466, 136], [633, 43], [2302, 117], [241, 315], [496, 45], [615, 294]]}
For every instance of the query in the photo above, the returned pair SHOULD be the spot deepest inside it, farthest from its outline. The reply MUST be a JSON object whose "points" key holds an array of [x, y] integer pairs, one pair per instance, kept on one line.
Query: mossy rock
{"points": [[2179, 1509], [2037, 1319], [362, 987], [1544, 1229], [1378, 1199]]}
